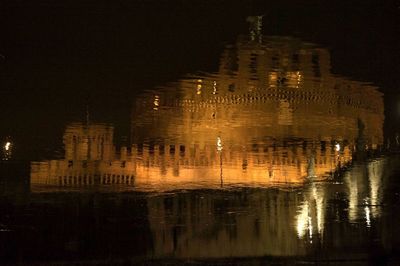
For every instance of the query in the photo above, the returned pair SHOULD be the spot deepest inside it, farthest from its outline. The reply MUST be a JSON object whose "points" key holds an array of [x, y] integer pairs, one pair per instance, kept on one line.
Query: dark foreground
{"points": [[351, 219]]}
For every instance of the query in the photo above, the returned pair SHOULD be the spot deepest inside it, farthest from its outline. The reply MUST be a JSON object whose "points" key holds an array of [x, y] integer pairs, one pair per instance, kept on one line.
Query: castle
{"points": [[272, 115]]}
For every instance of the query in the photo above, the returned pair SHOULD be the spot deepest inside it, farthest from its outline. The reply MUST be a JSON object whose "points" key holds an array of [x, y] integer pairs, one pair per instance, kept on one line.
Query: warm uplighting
{"points": [[299, 78], [7, 146], [293, 78], [214, 87], [337, 147], [273, 78], [219, 144], [272, 130], [156, 102], [199, 86]]}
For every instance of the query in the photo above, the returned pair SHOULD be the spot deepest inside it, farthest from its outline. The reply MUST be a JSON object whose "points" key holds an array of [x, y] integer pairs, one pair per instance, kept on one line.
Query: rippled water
{"points": [[272, 156]]}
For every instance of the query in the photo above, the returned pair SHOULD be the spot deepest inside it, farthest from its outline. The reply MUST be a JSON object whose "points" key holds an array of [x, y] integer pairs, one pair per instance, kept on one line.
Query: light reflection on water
{"points": [[242, 162]]}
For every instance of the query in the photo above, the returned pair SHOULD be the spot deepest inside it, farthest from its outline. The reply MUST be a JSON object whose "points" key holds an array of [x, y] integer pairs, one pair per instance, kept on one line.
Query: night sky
{"points": [[137, 39]]}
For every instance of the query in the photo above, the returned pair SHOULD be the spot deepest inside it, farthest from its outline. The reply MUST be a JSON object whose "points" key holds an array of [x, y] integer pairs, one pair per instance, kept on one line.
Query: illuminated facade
{"points": [[266, 101], [280, 89], [272, 115], [90, 159]]}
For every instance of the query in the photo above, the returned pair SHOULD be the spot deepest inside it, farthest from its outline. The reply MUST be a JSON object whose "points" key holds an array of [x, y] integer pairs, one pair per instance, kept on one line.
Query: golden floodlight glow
{"points": [[273, 78], [156, 102], [7, 146], [219, 144], [337, 147], [214, 87], [199, 88], [299, 77], [254, 114]]}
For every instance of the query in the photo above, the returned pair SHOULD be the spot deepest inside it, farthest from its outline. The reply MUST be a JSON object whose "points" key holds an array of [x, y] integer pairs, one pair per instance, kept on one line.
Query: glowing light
{"points": [[299, 77], [367, 216], [375, 172], [219, 144], [351, 182], [199, 86], [7, 151], [273, 78], [303, 221], [156, 102], [319, 205], [310, 228], [337, 147], [7, 146], [214, 87]]}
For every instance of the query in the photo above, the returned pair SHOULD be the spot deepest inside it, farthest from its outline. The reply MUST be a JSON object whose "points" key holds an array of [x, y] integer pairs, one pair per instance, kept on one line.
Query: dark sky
{"points": [[146, 35]]}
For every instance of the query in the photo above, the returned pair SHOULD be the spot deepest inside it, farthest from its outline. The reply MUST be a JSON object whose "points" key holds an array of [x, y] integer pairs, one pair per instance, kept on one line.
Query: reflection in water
{"points": [[258, 222], [261, 132], [311, 212], [225, 224], [363, 192]]}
